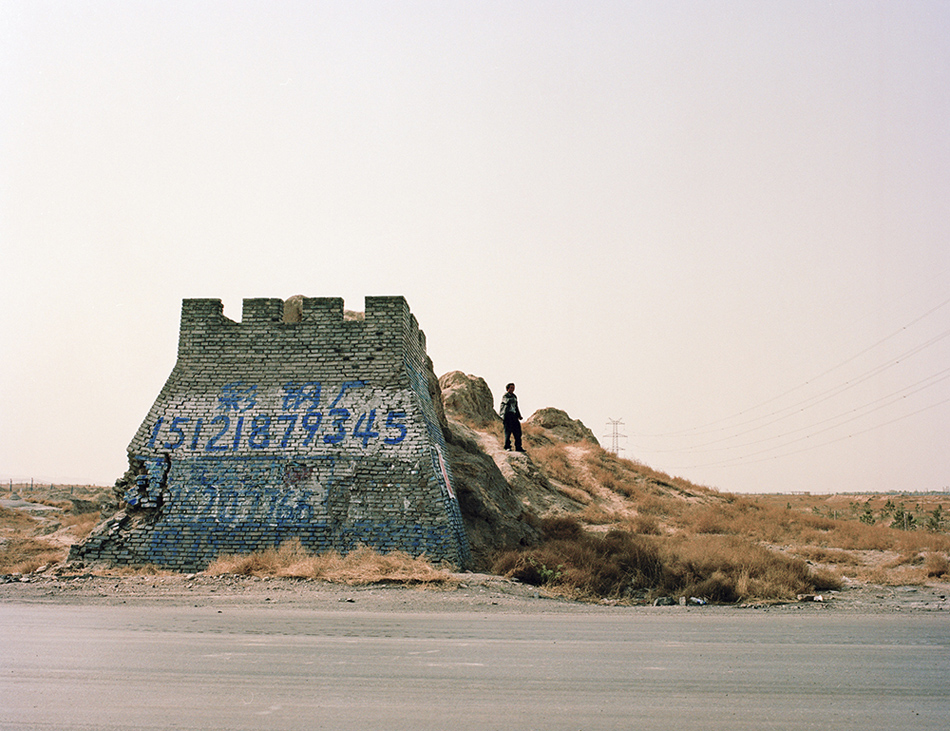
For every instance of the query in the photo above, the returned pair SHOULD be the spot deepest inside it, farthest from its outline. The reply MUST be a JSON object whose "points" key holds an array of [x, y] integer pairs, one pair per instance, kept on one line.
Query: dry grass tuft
{"points": [[828, 555], [562, 527], [936, 565], [81, 525], [597, 515], [554, 463], [362, 566], [645, 525], [575, 494], [26, 555], [64, 505], [615, 474]]}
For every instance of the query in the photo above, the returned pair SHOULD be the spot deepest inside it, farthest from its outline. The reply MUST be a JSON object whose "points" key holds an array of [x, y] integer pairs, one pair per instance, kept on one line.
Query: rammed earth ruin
{"points": [[295, 423]]}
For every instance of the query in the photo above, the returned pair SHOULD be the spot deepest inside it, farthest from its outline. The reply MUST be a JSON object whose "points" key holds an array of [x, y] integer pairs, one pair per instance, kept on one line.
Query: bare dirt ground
{"points": [[472, 593]]}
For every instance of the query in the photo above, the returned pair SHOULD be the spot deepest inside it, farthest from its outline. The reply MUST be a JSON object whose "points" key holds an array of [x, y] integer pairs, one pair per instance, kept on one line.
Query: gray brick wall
{"points": [[322, 430]]}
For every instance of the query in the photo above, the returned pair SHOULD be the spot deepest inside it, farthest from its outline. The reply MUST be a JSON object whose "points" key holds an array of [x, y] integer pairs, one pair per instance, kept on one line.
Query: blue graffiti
{"points": [[340, 417], [347, 385], [212, 445], [396, 420], [300, 426], [263, 431], [297, 394], [237, 397]]}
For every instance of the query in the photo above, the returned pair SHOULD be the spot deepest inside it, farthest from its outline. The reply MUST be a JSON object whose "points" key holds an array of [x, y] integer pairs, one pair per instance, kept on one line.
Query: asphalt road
{"points": [[135, 667]]}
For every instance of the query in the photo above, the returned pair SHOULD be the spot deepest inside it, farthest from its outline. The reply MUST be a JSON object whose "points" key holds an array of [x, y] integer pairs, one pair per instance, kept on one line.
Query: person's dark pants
{"points": [[512, 426]]}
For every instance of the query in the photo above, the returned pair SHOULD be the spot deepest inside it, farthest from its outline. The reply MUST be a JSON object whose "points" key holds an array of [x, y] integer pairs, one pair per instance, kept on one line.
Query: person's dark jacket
{"points": [[509, 407]]}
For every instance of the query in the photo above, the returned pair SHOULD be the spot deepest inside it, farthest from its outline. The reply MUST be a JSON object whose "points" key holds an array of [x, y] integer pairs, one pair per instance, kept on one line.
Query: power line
{"points": [[706, 429], [782, 444], [817, 400], [746, 461], [868, 408]]}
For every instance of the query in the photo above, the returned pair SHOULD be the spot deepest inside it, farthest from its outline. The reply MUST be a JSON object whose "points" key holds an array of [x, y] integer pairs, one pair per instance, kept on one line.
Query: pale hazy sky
{"points": [[725, 223]]}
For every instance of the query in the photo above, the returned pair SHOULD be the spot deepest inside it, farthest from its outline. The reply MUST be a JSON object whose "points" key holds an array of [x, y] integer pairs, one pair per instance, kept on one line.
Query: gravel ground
{"points": [[473, 593]]}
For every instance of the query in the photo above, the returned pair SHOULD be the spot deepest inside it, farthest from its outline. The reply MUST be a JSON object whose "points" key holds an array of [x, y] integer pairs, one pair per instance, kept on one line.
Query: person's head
{"points": [[510, 388]]}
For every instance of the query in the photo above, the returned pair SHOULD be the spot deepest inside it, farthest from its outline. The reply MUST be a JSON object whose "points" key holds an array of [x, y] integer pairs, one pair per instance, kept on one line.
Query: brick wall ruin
{"points": [[308, 426]]}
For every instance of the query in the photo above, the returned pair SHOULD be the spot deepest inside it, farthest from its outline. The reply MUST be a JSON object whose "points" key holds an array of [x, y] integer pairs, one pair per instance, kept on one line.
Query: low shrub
{"points": [[624, 565], [936, 565], [644, 525], [730, 568], [825, 580], [561, 527], [588, 566]]}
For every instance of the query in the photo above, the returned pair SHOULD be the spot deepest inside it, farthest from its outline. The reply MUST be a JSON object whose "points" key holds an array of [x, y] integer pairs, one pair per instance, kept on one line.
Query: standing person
{"points": [[511, 416]]}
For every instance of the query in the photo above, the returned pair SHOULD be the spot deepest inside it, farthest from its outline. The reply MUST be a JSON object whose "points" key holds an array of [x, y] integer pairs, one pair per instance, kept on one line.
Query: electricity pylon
{"points": [[615, 435]]}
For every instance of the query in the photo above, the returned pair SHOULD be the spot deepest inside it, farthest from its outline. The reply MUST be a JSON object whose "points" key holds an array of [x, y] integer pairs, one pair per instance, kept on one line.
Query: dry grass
{"points": [[936, 566], [725, 547], [597, 515], [659, 506], [578, 496], [81, 525], [16, 521], [24, 550], [554, 463], [600, 473], [610, 478], [26, 555], [588, 567], [644, 524], [773, 524], [362, 566], [647, 534], [732, 568], [595, 470], [828, 556], [893, 576], [609, 471], [909, 568], [622, 565]]}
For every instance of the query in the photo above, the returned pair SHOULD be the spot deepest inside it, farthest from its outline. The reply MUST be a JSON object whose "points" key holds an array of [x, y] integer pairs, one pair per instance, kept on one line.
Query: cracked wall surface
{"points": [[321, 428]]}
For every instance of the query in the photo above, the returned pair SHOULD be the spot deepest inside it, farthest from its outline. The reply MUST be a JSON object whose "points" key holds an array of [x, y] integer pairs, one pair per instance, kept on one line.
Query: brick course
{"points": [[323, 430]]}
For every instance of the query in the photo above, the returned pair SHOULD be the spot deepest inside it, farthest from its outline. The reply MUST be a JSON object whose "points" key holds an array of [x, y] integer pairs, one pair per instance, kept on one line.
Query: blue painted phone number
{"points": [[224, 432]]}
